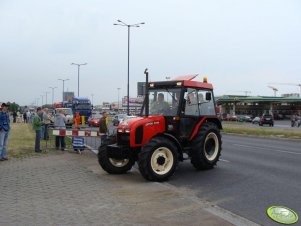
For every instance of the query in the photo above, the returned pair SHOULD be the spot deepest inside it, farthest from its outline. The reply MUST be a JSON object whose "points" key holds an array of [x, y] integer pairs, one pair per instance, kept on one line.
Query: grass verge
{"points": [[21, 141], [264, 132]]}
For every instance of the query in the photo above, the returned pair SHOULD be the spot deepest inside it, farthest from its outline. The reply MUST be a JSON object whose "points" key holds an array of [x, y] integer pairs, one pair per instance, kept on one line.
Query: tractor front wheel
{"points": [[112, 165], [158, 159], [206, 147]]}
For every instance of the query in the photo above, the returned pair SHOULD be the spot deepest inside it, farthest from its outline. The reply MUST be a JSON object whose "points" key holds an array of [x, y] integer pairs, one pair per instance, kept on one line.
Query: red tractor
{"points": [[178, 121]]}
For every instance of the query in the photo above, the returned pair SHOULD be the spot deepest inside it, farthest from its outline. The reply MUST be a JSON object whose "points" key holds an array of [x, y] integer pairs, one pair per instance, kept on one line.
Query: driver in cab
{"points": [[159, 107]]}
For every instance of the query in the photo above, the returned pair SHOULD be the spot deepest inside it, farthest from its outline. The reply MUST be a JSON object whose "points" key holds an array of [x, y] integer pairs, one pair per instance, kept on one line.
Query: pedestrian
{"points": [[14, 117], [60, 121], [32, 114], [298, 121], [24, 117], [19, 117], [4, 130], [42, 116], [37, 126], [28, 114], [77, 120], [46, 120], [293, 120], [103, 126]]}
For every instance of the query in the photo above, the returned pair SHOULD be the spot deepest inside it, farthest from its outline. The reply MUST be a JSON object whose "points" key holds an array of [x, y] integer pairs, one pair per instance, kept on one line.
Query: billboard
{"points": [[140, 88], [134, 102], [68, 96]]}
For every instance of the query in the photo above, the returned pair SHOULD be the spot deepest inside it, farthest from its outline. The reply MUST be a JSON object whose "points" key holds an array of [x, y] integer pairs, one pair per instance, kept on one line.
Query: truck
{"points": [[82, 105], [178, 122]]}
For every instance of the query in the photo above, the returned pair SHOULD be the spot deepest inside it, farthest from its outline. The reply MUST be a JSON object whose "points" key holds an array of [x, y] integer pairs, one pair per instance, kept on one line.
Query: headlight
{"points": [[127, 130], [119, 130]]}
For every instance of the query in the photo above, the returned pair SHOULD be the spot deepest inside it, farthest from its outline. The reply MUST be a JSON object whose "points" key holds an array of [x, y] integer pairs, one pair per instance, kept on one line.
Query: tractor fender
{"points": [[214, 120]]}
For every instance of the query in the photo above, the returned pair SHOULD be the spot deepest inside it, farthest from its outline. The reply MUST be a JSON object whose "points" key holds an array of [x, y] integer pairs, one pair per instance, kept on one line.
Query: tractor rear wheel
{"points": [[206, 147], [112, 165], [158, 159]]}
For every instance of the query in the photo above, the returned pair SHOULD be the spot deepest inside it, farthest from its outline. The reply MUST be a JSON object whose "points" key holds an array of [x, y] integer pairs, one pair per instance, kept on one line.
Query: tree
{"points": [[13, 107]]}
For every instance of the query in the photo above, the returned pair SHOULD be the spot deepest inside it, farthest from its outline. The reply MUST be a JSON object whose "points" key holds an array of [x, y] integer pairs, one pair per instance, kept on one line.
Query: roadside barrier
{"points": [[77, 140], [77, 133]]}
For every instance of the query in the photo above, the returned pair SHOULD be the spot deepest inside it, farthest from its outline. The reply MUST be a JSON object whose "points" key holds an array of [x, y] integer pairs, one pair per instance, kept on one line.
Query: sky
{"points": [[238, 45]]}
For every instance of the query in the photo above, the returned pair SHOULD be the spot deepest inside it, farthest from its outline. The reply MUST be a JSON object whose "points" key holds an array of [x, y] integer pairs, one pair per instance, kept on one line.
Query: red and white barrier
{"points": [[76, 133]]}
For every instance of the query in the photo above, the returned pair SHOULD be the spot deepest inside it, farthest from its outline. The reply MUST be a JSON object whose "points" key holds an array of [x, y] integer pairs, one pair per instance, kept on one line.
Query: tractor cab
{"points": [[182, 102]]}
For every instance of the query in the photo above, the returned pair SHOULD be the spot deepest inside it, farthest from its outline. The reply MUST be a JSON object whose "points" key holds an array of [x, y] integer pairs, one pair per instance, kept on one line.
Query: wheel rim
{"points": [[119, 162], [211, 146], [162, 160]]}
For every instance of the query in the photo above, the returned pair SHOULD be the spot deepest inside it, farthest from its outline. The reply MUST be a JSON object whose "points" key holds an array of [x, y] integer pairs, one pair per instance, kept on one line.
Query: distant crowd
{"points": [[25, 117]]}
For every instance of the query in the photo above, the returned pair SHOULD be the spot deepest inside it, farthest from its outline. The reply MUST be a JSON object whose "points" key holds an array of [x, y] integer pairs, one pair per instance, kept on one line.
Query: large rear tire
{"points": [[111, 165], [206, 147], [158, 159]]}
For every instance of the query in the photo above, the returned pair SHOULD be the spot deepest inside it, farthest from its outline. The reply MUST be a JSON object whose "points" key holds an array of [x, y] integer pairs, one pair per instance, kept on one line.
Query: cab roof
{"points": [[186, 81]]}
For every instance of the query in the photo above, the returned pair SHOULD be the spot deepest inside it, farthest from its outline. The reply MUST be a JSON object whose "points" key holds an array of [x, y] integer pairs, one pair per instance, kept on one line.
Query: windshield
{"points": [[164, 101], [83, 106]]}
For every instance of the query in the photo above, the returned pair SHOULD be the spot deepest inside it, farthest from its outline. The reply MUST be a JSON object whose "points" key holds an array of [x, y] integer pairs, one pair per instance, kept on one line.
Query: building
{"points": [[280, 107]]}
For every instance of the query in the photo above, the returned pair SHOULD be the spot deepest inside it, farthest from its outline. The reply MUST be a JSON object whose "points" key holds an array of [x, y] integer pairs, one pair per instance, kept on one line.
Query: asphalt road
{"points": [[253, 174]]}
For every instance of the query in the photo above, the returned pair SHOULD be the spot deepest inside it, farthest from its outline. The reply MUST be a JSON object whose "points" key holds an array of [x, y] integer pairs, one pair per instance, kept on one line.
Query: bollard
{"points": [[83, 120]]}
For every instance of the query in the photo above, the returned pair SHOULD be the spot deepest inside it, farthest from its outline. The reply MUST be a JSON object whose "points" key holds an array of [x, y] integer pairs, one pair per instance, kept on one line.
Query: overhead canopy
{"points": [[227, 99]]}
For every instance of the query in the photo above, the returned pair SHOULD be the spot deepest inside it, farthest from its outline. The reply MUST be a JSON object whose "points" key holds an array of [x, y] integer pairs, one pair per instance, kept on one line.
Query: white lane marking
{"points": [[224, 160], [91, 149], [264, 148]]}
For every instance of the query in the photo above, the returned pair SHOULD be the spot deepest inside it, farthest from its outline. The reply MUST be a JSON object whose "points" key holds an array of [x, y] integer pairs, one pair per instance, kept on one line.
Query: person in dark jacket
{"points": [[14, 117], [24, 117], [103, 126], [4, 131]]}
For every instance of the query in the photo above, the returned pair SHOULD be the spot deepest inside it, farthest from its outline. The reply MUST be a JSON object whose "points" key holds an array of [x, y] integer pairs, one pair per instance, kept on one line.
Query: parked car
{"points": [[231, 118], [94, 120], [256, 120], [266, 119], [278, 116], [117, 118], [127, 117], [244, 118]]}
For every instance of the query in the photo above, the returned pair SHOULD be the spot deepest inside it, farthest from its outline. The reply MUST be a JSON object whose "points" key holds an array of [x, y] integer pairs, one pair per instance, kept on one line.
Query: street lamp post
{"points": [[121, 23], [52, 91], [42, 100], [78, 67], [92, 98], [63, 85], [46, 97], [118, 100]]}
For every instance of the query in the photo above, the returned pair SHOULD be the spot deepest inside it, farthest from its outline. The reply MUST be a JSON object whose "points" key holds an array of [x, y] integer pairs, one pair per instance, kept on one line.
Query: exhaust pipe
{"points": [[146, 99]]}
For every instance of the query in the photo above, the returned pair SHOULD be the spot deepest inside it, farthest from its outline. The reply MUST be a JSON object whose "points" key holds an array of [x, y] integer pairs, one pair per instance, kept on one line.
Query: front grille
{"points": [[123, 139], [139, 135]]}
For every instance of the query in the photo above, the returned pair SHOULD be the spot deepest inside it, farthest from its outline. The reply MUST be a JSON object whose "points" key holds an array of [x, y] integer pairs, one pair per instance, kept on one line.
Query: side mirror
{"points": [[208, 96]]}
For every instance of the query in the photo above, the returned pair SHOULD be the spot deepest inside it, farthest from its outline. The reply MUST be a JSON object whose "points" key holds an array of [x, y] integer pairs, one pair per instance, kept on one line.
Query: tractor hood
{"points": [[145, 121], [142, 127]]}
